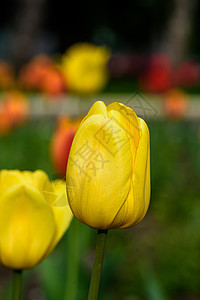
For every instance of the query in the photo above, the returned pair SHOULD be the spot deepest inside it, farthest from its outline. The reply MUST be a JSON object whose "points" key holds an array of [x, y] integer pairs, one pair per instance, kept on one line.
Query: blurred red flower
{"points": [[158, 74], [187, 74], [126, 64], [61, 143]]}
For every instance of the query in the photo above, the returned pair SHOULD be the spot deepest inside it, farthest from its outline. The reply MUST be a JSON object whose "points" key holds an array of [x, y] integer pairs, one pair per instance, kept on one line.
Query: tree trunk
{"points": [[176, 39], [26, 30]]}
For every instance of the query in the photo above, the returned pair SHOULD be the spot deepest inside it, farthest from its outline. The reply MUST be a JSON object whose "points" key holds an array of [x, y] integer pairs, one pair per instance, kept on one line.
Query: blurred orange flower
{"points": [[175, 104], [7, 80], [42, 74], [5, 125], [61, 143], [14, 108]]}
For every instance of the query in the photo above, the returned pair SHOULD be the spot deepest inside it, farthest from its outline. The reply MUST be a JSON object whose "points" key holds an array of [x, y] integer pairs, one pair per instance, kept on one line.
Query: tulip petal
{"points": [[30, 227], [141, 180], [62, 212], [99, 171], [55, 194], [9, 178], [137, 202], [98, 108], [44, 185], [126, 118]]}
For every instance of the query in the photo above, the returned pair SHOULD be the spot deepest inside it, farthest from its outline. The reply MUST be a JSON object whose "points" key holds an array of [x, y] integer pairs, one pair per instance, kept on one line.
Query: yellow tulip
{"points": [[108, 172], [34, 214], [85, 68]]}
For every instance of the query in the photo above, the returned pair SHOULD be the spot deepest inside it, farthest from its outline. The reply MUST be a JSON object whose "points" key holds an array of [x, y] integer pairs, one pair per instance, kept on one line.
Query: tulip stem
{"points": [[98, 263], [17, 284], [74, 251]]}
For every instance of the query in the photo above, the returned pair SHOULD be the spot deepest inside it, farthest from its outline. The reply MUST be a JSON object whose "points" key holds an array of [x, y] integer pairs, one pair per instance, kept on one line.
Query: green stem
{"points": [[73, 251], [17, 284], [98, 262]]}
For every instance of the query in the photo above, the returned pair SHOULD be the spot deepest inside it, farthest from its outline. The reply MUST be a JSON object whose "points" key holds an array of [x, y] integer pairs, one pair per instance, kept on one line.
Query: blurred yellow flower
{"points": [[34, 214], [108, 172], [85, 68]]}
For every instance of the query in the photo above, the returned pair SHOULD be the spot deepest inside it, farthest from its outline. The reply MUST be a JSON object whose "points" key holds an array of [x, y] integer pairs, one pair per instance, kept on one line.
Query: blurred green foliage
{"points": [[156, 260]]}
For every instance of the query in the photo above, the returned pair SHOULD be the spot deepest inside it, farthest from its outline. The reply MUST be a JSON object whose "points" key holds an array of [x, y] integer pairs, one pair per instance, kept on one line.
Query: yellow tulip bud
{"points": [[108, 172], [34, 214]]}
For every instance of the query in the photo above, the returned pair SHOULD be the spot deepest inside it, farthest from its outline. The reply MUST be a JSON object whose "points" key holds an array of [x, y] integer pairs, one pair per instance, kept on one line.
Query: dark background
{"points": [[54, 25]]}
